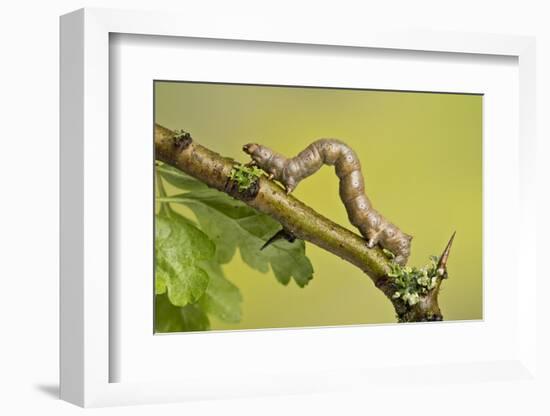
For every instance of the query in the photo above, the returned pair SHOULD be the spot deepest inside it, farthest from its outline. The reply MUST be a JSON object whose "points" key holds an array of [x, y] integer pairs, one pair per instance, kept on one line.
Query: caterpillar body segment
{"points": [[290, 171]]}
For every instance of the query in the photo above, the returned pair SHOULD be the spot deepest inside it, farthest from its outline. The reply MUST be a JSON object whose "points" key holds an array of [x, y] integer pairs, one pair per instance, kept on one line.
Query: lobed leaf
{"points": [[231, 223], [189, 283], [249, 232]]}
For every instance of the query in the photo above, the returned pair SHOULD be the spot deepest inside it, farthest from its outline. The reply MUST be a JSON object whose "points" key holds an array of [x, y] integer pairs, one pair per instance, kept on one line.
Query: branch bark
{"points": [[301, 220]]}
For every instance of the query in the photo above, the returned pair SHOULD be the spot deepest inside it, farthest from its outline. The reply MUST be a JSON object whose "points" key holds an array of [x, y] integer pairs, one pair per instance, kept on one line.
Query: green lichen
{"points": [[245, 176], [411, 283]]}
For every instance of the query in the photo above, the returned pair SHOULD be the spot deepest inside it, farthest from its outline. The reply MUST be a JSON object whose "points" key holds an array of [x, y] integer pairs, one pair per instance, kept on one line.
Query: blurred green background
{"points": [[422, 161]]}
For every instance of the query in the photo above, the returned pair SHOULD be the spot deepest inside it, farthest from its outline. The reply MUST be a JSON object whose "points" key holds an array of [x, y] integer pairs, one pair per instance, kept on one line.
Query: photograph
{"points": [[286, 206]]}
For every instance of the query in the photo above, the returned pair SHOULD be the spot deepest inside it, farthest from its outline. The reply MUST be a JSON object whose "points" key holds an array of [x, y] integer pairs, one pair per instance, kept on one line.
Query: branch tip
{"points": [[442, 265]]}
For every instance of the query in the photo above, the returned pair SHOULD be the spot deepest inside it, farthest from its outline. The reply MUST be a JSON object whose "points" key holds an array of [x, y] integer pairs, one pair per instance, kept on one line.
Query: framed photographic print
{"points": [[322, 202]]}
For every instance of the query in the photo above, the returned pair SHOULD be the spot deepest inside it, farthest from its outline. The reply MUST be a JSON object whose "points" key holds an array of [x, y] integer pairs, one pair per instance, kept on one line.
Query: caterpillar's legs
{"points": [[290, 185], [400, 259], [251, 163], [270, 176], [374, 239]]}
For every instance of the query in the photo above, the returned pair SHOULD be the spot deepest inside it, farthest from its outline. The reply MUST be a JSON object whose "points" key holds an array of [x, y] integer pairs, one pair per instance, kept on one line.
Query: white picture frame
{"points": [[86, 356]]}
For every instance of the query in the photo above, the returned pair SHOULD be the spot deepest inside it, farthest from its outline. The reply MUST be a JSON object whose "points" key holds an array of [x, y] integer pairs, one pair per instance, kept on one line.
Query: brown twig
{"points": [[294, 216]]}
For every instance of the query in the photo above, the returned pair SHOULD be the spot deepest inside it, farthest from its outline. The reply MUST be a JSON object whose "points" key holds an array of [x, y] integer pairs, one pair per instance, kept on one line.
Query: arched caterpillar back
{"points": [[373, 226]]}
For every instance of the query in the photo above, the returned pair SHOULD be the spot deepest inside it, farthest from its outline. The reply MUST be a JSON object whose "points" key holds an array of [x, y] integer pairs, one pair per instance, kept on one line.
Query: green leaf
{"points": [[179, 248], [161, 277], [179, 179], [231, 224], [170, 318], [222, 298]]}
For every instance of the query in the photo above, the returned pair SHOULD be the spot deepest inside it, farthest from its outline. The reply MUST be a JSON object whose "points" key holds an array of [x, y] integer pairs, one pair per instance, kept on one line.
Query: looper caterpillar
{"points": [[290, 171]]}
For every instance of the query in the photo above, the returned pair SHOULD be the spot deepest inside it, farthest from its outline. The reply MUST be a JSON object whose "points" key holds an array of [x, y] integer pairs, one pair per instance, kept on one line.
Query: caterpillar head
{"points": [[259, 154], [272, 163]]}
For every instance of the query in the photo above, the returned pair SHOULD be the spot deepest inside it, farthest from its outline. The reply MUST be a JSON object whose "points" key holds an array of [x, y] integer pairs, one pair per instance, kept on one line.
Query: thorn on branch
{"points": [[280, 235], [442, 265]]}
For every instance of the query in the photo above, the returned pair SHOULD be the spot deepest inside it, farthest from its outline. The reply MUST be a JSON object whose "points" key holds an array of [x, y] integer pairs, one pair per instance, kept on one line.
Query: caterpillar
{"points": [[290, 171]]}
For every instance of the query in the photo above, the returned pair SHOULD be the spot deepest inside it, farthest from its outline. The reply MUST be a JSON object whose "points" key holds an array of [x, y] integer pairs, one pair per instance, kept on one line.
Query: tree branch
{"points": [[303, 222]]}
